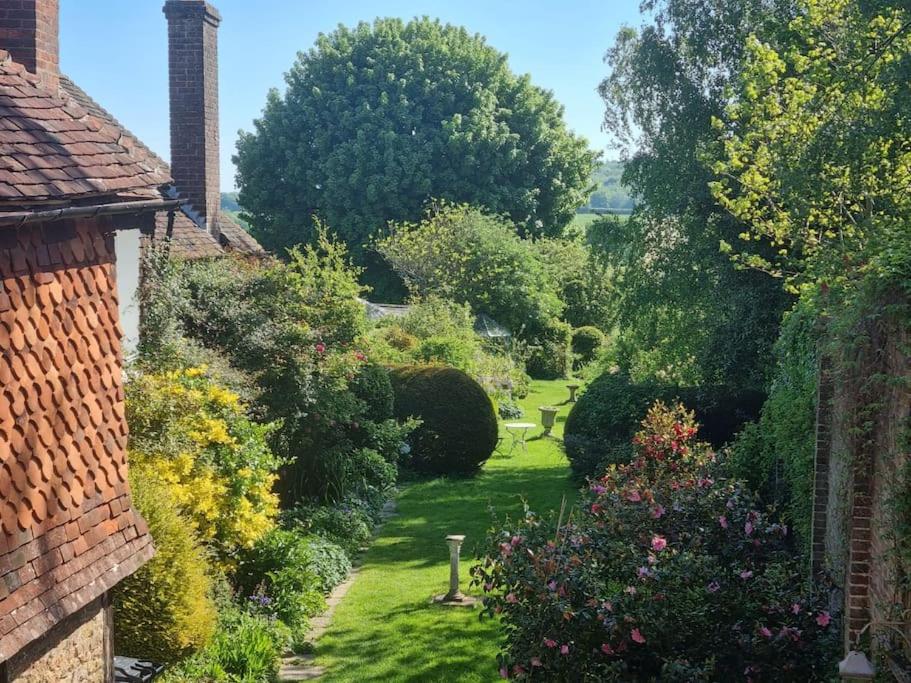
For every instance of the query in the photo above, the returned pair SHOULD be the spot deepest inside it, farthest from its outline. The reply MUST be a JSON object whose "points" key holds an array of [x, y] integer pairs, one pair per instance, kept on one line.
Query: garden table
{"points": [[518, 432]]}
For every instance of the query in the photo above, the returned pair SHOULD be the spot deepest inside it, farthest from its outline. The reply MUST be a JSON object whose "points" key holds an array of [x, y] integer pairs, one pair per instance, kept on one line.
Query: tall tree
{"points": [[681, 298], [379, 118]]}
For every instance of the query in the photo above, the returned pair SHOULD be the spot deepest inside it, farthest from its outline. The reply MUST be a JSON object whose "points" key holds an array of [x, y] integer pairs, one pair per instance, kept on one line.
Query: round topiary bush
{"points": [[600, 426], [459, 427], [587, 340]]}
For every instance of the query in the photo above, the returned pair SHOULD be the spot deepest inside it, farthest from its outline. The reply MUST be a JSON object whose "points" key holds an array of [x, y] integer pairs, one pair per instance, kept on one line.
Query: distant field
{"points": [[582, 220]]}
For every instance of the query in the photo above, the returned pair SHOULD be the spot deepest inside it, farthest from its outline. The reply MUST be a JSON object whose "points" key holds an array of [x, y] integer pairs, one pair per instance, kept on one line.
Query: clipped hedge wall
{"points": [[164, 611], [601, 425], [459, 427]]}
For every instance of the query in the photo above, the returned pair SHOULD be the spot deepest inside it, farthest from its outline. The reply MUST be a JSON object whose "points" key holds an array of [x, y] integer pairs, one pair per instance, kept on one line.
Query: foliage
{"points": [[587, 342], [610, 193], [604, 419], [458, 429], [246, 649], [550, 356], [507, 410], [685, 313], [346, 524], [776, 454], [294, 328], [663, 571], [378, 118], [196, 437], [584, 280], [164, 611], [438, 331], [463, 254], [812, 151], [372, 386], [276, 574]]}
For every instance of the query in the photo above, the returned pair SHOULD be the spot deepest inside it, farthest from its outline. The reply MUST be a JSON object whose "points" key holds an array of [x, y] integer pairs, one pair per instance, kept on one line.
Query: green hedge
{"points": [[165, 610], [459, 428], [602, 423], [587, 340]]}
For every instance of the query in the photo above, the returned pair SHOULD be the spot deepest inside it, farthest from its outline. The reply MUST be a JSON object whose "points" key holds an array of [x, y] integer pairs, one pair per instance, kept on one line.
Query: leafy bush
{"points": [[600, 425], [458, 429], [348, 525], [586, 343], [327, 561], [663, 571], [164, 611], [217, 463], [275, 574], [373, 386], [509, 410], [549, 354], [246, 649]]}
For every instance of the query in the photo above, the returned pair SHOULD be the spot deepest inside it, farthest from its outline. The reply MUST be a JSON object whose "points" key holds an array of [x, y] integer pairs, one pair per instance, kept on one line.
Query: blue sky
{"points": [[117, 51]]}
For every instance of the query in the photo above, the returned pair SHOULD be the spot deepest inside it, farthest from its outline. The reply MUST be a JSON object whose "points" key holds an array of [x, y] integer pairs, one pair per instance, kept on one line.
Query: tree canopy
{"points": [[379, 118]]}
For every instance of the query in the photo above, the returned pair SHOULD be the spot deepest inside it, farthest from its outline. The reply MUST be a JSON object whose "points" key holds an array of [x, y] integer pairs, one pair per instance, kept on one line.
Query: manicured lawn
{"points": [[386, 629]]}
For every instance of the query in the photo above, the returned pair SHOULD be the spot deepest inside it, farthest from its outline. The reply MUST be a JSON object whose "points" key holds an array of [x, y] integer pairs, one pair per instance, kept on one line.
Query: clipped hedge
{"points": [[165, 610], [600, 425], [587, 340], [459, 427], [372, 386]]}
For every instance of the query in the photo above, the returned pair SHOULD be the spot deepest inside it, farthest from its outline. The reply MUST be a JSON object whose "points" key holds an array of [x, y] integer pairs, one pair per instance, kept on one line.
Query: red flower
{"points": [[637, 636], [320, 348]]}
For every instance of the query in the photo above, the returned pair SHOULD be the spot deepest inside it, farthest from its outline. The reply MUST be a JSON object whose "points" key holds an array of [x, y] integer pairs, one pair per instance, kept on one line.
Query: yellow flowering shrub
{"points": [[216, 462]]}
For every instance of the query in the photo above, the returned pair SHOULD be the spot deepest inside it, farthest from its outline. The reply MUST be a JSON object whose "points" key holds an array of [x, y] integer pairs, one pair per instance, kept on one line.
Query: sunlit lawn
{"points": [[386, 629]]}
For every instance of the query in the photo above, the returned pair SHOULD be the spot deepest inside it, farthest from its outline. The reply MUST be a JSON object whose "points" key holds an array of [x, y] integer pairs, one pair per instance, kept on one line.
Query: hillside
{"points": [[610, 195]]}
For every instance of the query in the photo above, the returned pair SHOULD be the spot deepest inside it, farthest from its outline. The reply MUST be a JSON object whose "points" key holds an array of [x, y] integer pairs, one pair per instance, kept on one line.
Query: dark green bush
{"points": [[346, 524], [549, 354], [586, 343], [601, 424], [373, 387], [459, 428]]}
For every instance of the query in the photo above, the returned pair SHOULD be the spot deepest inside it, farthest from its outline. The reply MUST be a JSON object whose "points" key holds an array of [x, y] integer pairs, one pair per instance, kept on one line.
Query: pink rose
{"points": [[823, 619], [633, 496], [765, 632], [564, 649], [723, 521], [512, 599], [637, 636], [550, 643], [659, 543], [658, 512], [607, 649]]}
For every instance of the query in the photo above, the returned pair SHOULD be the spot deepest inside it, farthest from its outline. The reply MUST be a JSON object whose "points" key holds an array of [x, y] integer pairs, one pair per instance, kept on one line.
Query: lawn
{"points": [[386, 629]]}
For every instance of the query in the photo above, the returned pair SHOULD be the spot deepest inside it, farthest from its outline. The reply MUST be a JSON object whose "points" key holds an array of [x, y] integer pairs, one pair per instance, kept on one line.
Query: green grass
{"points": [[385, 629]]}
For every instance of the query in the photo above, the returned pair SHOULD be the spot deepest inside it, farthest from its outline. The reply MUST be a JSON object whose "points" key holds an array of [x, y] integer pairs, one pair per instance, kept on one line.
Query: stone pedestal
{"points": [[455, 597]]}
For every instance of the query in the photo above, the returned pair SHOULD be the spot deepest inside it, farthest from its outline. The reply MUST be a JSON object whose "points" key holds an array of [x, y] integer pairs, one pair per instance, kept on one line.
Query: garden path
{"points": [[386, 629]]}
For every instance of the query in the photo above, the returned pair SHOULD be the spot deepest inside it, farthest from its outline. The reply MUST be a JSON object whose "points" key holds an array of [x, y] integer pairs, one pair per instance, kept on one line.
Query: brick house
{"points": [[76, 191]]}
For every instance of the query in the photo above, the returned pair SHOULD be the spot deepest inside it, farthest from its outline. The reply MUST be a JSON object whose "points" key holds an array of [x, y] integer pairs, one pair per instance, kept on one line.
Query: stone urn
{"points": [[548, 417]]}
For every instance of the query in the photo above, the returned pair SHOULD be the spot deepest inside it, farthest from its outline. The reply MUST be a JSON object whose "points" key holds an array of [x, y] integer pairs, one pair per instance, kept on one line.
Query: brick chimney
{"points": [[193, 71], [29, 31]]}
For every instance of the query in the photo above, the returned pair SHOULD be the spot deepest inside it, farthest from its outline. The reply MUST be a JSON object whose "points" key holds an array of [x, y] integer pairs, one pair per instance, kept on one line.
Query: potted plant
{"points": [[548, 417]]}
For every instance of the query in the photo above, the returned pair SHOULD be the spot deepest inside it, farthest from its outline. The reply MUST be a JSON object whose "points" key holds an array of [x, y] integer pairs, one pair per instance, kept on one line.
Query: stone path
{"points": [[301, 667]]}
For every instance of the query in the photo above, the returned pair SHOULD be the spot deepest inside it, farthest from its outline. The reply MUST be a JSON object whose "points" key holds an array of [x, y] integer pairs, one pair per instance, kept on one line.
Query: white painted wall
{"points": [[127, 247]]}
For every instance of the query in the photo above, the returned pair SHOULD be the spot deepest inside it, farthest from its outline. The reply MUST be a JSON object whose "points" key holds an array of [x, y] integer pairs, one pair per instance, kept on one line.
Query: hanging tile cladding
{"points": [[68, 531]]}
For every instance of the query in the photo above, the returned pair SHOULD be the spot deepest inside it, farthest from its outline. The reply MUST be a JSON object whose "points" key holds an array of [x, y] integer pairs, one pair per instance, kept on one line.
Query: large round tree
{"points": [[379, 118]]}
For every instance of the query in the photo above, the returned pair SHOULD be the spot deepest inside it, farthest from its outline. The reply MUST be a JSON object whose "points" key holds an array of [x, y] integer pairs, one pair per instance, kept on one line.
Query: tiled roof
{"points": [[68, 531], [52, 147], [185, 243]]}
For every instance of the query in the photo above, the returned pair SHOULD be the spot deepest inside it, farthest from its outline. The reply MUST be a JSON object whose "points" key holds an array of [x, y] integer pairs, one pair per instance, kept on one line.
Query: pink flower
{"points": [[607, 649], [630, 589], [320, 348], [518, 670], [723, 521], [633, 497], [511, 598], [659, 543], [765, 632], [552, 585], [516, 540], [643, 572], [795, 608], [596, 508], [823, 619], [748, 528], [536, 661], [505, 549], [504, 672], [550, 643], [564, 649], [714, 587], [746, 574], [637, 636], [360, 356], [658, 512], [598, 489], [488, 587]]}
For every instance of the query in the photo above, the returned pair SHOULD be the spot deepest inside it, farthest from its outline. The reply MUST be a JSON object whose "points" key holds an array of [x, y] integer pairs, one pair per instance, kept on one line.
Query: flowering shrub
{"points": [[195, 436], [664, 570]]}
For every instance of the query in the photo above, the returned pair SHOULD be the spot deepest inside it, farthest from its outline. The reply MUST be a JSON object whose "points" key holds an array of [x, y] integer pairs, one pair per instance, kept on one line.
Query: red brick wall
{"points": [[29, 31], [193, 72]]}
